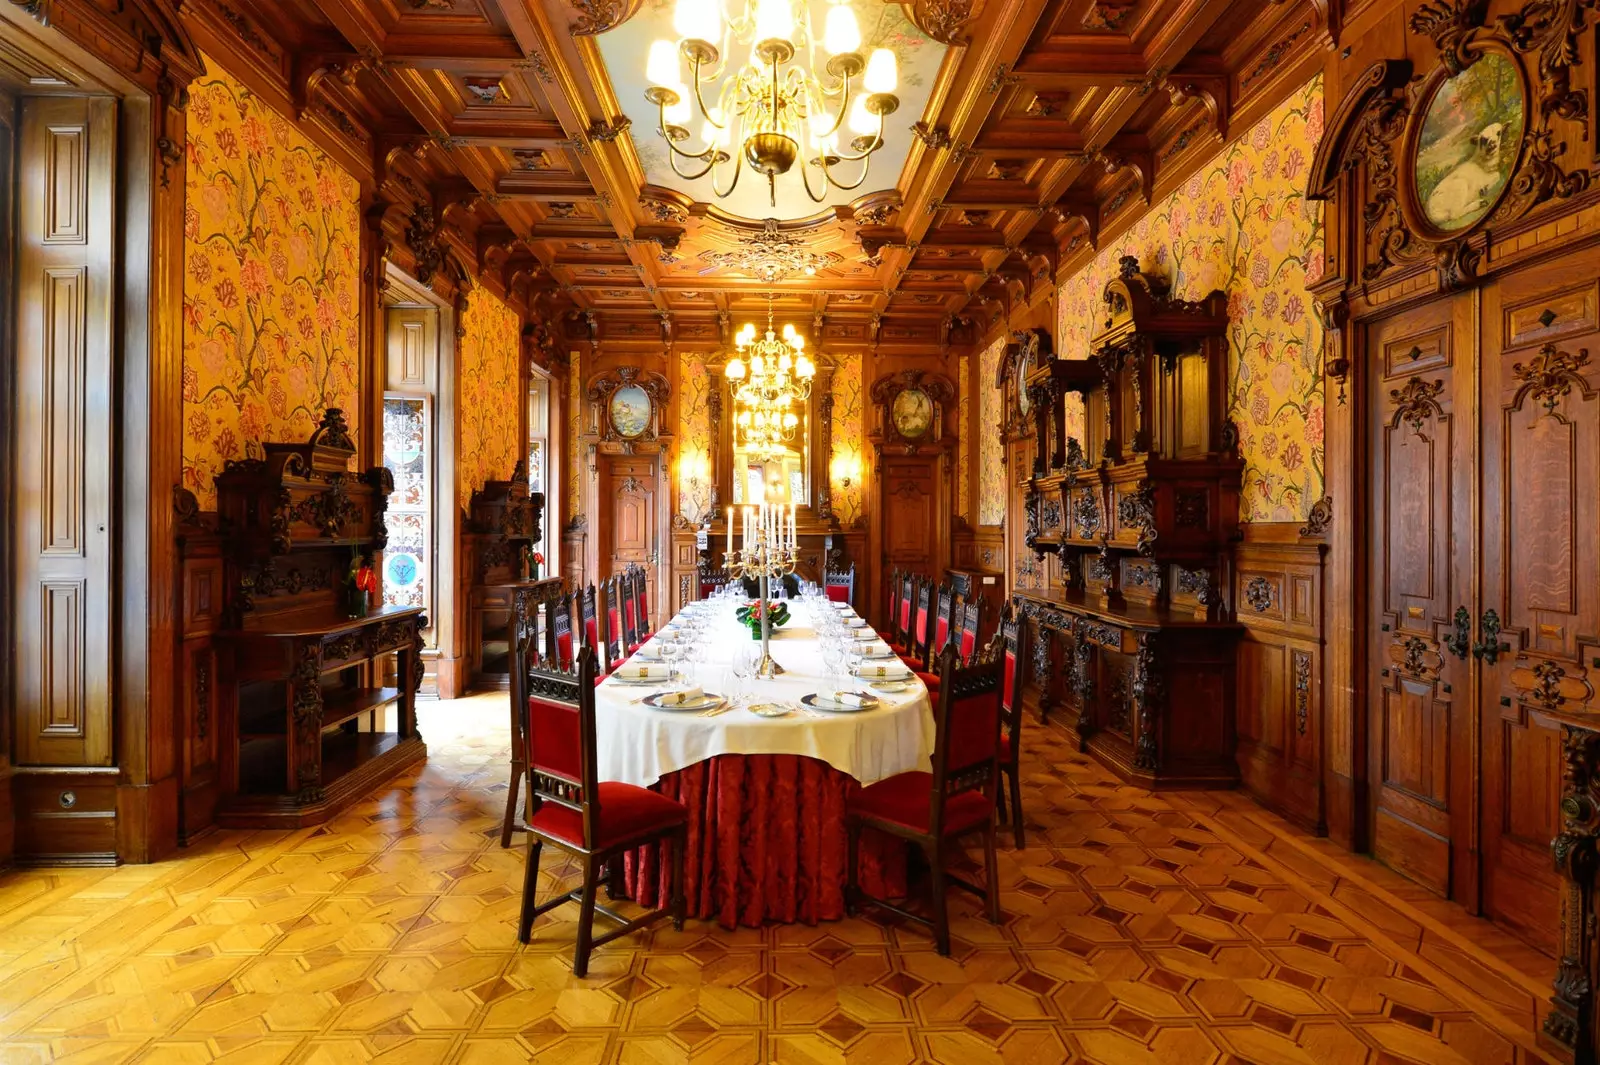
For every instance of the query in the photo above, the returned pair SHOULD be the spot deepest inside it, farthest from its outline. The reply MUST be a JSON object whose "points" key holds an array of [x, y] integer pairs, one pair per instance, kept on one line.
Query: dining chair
{"points": [[840, 585], [611, 635], [524, 649], [591, 619], [1009, 639], [901, 621], [917, 642], [970, 625], [558, 630], [936, 810], [641, 597], [944, 605], [595, 821]]}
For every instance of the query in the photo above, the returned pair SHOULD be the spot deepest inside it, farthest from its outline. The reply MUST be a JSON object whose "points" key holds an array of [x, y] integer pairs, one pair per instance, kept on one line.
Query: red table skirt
{"points": [[766, 843]]}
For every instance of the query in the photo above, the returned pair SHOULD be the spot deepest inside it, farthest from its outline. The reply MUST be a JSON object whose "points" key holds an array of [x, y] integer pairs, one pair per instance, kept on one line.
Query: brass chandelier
{"points": [[767, 389], [773, 109]]}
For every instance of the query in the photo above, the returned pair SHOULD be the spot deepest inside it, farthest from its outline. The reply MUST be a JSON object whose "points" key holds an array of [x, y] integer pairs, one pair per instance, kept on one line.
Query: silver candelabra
{"points": [[769, 551]]}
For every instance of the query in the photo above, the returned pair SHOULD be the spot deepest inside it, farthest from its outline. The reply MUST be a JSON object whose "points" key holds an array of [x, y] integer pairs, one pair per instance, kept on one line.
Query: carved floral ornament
{"points": [[1432, 184]]}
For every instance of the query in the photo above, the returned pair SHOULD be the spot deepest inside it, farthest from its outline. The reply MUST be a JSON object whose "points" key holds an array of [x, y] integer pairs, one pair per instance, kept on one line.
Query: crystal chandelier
{"points": [[773, 108], [776, 379]]}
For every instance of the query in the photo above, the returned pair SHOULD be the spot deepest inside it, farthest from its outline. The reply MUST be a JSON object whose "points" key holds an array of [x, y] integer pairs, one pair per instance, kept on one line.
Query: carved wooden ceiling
{"points": [[1051, 123]]}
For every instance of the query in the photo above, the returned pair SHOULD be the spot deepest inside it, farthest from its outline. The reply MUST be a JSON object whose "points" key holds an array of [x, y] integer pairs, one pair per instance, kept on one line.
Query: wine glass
{"points": [[833, 657], [671, 653]]}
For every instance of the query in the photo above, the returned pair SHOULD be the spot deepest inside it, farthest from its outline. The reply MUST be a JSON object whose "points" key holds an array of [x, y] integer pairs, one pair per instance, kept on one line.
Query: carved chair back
{"points": [[840, 586], [966, 744], [563, 766]]}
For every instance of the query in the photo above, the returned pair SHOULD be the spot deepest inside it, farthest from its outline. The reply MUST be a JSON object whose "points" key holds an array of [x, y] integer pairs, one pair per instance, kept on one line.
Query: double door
{"points": [[1484, 582], [630, 495]]}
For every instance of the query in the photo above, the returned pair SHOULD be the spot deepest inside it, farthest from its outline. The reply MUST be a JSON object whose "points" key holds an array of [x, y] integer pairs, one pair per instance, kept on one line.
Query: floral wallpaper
{"points": [[991, 449], [694, 438], [964, 446], [271, 308], [849, 439], [1242, 224], [488, 355]]}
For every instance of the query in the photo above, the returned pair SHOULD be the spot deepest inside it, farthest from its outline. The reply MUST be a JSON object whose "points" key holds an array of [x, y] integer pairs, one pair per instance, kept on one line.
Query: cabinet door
{"points": [[1420, 725], [1541, 570], [61, 525]]}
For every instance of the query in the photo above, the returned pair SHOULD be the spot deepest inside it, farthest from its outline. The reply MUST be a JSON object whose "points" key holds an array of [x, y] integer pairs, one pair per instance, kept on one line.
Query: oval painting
{"points": [[630, 411], [1024, 368], [1471, 133], [913, 414]]}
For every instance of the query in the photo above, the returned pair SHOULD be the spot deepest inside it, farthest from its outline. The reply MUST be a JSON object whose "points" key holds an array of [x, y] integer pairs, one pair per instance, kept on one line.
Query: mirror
{"points": [[781, 472]]}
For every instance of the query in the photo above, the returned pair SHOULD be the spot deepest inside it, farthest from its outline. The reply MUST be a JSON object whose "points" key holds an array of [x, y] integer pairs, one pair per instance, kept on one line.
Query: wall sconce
{"points": [[847, 469]]}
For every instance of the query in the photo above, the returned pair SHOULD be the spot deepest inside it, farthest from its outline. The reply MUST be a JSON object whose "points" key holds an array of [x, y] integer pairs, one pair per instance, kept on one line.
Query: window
{"points": [[406, 577]]}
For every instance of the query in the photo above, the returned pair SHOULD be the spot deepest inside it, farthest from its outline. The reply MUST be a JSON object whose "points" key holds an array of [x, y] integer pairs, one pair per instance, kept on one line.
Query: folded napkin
{"points": [[849, 699], [874, 648], [844, 608], [885, 669], [643, 671], [856, 623], [683, 698]]}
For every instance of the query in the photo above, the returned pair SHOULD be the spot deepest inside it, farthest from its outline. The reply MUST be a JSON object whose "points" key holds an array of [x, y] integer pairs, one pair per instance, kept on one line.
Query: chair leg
{"points": [[679, 902], [511, 803], [1014, 774], [941, 909], [530, 887], [616, 887], [852, 835], [991, 875], [580, 957]]}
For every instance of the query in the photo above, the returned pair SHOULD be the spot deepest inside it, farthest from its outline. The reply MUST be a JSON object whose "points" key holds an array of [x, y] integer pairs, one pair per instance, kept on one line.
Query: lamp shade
{"points": [[661, 66], [698, 20], [841, 33], [883, 73], [773, 19]]}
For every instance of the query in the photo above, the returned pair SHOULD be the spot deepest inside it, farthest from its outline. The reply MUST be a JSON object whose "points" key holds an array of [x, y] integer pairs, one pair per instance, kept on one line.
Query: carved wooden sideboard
{"points": [[1132, 632], [315, 707], [502, 525]]}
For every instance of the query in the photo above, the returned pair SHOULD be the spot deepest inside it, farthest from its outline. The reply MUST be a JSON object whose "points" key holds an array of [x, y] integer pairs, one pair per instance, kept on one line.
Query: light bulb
{"points": [[788, 330], [797, 342], [821, 125], [698, 20], [735, 370], [783, 363], [841, 33], [661, 68], [773, 19], [790, 421], [679, 113], [882, 72], [862, 121]]}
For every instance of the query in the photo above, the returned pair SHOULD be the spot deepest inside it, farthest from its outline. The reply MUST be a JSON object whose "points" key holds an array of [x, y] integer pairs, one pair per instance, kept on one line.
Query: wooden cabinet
{"points": [[502, 525]]}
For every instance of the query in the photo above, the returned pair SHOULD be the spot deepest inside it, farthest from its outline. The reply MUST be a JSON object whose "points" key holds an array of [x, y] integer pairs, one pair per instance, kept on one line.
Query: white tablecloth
{"points": [[638, 744]]}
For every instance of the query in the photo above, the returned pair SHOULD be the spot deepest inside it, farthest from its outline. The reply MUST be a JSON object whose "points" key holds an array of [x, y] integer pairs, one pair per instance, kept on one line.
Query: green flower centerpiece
{"points": [[749, 615]]}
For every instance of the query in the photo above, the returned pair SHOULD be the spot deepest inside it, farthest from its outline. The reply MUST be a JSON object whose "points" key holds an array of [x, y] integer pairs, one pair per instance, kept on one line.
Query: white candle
{"points": [[794, 540], [729, 551]]}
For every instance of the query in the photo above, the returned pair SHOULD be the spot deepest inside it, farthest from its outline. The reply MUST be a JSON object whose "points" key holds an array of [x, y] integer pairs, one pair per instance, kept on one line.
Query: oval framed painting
{"points": [[1024, 368], [913, 414], [630, 411], [1468, 141]]}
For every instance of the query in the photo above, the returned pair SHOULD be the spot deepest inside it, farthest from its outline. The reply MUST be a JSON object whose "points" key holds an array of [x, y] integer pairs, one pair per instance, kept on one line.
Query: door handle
{"points": [[1459, 640], [1489, 647]]}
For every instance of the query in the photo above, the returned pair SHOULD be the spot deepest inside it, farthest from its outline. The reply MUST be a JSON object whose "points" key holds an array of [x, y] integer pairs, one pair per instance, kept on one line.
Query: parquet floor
{"points": [[1180, 930]]}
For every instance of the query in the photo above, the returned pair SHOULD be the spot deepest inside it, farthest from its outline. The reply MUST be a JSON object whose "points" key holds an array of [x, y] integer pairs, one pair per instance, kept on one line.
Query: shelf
{"points": [[263, 772], [341, 704]]}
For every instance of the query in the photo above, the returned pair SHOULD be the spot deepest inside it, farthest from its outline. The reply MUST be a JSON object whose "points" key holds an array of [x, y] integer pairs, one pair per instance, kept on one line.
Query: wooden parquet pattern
{"points": [[1180, 930]]}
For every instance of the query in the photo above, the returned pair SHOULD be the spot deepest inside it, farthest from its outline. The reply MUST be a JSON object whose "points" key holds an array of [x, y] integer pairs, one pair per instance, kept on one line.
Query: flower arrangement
{"points": [[359, 584], [535, 561], [749, 615]]}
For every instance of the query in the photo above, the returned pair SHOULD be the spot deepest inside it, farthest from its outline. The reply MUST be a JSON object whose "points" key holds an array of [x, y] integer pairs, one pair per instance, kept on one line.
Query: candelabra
{"points": [[769, 550]]}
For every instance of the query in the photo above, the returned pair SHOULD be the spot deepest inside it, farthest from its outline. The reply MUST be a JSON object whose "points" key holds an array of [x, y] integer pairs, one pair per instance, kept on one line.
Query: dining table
{"points": [[765, 771]]}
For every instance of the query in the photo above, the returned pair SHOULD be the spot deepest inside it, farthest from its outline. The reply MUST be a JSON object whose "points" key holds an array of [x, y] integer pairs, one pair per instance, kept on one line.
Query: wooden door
{"points": [[1541, 570], [628, 499], [912, 516], [1420, 726], [61, 523]]}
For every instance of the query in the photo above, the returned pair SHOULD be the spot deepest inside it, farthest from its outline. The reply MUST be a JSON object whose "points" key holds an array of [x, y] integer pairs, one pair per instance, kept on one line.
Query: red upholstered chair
{"points": [[612, 635], [571, 809], [524, 651], [1008, 642], [641, 599], [840, 587], [935, 810], [920, 634], [933, 650], [558, 627], [591, 620], [971, 624], [900, 621]]}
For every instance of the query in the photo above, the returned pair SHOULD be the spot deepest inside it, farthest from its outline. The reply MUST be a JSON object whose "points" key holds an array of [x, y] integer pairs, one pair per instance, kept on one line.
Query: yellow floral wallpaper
{"points": [[964, 450], [694, 438], [1242, 224], [271, 308], [849, 439], [991, 450], [491, 399]]}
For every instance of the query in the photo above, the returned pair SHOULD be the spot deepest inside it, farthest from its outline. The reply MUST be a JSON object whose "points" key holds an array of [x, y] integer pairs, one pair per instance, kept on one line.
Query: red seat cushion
{"points": [[898, 648], [904, 800], [626, 812], [838, 593], [931, 680]]}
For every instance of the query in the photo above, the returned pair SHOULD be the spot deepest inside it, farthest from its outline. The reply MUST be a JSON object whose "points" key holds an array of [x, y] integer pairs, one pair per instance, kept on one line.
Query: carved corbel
{"points": [[943, 20], [598, 16]]}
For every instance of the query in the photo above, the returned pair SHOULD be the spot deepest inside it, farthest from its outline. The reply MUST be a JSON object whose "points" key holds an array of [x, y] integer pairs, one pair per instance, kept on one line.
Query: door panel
{"points": [[1541, 571], [911, 509], [1421, 499], [61, 524], [628, 495]]}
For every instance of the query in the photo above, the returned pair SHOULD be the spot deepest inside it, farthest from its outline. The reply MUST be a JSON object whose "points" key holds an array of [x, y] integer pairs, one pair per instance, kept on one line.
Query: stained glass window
{"points": [[406, 577]]}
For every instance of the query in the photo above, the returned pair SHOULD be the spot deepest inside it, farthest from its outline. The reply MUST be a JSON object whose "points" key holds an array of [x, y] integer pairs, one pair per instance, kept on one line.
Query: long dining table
{"points": [[766, 794]]}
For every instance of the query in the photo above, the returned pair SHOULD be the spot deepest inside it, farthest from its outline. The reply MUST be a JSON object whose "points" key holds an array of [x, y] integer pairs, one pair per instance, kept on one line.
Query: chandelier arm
{"points": [[844, 107], [866, 164], [738, 168], [865, 153], [705, 112], [673, 158], [805, 178]]}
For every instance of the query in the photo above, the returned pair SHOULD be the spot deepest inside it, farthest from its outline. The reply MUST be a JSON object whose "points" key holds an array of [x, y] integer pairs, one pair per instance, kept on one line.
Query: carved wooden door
{"points": [[911, 515], [1420, 733], [1541, 571], [628, 496]]}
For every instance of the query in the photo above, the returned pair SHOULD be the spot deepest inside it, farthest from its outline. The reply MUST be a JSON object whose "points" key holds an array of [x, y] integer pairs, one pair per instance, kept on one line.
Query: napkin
{"points": [[844, 608], [886, 669], [646, 671], [856, 623], [874, 648], [683, 698], [849, 699]]}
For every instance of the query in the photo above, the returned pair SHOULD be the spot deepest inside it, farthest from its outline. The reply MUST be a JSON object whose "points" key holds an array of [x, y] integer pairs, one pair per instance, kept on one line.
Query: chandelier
{"points": [[766, 389], [773, 108]]}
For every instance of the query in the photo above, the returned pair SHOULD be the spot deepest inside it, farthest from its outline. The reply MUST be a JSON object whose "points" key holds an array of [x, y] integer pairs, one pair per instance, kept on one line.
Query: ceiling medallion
{"points": [[771, 255], [773, 109]]}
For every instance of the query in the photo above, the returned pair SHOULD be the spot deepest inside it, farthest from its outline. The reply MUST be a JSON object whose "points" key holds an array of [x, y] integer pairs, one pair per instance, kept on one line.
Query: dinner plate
{"points": [[709, 700], [769, 709], [886, 685], [639, 682], [818, 702]]}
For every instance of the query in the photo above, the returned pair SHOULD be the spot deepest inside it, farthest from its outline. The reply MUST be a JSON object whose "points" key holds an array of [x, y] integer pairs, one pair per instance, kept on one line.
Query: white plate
{"points": [[769, 709], [640, 682], [711, 699], [819, 702], [886, 685]]}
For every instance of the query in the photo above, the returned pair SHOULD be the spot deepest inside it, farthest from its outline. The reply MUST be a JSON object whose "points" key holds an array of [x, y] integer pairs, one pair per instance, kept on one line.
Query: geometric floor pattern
{"points": [[1139, 928]]}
